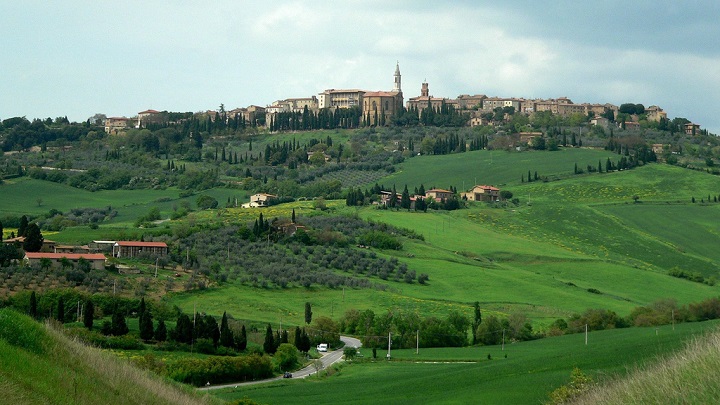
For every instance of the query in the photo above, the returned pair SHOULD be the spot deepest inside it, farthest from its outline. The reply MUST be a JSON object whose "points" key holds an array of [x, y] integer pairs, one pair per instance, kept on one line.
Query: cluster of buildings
{"points": [[477, 193], [380, 106], [57, 255]]}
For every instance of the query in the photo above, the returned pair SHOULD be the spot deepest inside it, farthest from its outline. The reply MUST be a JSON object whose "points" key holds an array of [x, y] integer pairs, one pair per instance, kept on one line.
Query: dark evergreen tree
{"points": [[160, 334], [241, 339], [293, 211], [33, 238], [146, 326], [183, 332], [118, 326], [33, 303], [226, 335], [269, 343], [405, 199], [298, 338], [23, 226], [476, 321], [88, 314], [61, 310], [308, 313], [2, 232]]}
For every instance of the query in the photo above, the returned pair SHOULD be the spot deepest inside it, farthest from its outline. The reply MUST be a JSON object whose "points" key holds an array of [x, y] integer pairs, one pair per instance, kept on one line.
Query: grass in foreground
{"points": [[530, 371], [686, 377], [39, 365]]}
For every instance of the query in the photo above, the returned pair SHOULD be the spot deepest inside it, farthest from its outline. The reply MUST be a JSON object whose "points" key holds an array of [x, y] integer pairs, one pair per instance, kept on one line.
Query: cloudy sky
{"points": [[78, 58]]}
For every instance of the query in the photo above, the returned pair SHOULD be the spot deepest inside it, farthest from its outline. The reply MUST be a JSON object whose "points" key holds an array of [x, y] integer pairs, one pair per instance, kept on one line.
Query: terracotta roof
{"points": [[69, 256], [438, 190], [149, 112], [381, 94], [21, 239], [140, 244]]}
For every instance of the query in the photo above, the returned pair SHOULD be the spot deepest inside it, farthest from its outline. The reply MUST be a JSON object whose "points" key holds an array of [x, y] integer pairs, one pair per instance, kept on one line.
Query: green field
{"points": [[500, 168], [465, 375]]}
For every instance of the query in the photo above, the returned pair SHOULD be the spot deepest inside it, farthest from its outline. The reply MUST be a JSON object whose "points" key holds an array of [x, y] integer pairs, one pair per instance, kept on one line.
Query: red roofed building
{"points": [[146, 116], [133, 248], [96, 260], [482, 193]]}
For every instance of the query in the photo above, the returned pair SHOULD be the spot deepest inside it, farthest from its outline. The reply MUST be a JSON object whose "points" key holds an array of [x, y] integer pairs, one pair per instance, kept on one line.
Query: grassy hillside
{"points": [[463, 170], [465, 375], [686, 377], [39, 365], [581, 243]]}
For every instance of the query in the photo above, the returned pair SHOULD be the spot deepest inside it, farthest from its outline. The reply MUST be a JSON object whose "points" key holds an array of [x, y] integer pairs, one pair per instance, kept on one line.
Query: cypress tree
{"points": [[241, 341], [33, 238], [146, 326], [88, 314], [298, 338], [118, 326], [33, 303], [226, 335], [61, 310], [160, 332], [269, 343], [2, 231], [23, 226], [308, 313]]}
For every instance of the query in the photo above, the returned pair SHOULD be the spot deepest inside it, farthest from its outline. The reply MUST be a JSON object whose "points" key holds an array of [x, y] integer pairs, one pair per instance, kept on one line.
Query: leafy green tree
{"points": [[349, 353], [8, 253], [490, 331], [89, 314], [269, 343], [160, 331], [308, 313], [205, 202], [286, 356], [2, 232], [33, 238]]}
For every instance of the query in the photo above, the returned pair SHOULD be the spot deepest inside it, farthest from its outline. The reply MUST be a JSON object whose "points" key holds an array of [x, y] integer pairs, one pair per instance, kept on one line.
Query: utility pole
{"points": [[503, 344], [156, 266], [586, 334], [388, 353], [673, 319], [417, 342]]}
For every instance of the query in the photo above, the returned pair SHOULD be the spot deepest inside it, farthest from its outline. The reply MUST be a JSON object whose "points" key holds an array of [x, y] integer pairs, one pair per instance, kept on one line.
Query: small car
{"points": [[287, 374]]}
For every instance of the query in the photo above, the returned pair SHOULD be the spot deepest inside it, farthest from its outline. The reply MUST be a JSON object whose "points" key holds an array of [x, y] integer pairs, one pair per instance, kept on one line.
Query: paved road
{"points": [[327, 359]]}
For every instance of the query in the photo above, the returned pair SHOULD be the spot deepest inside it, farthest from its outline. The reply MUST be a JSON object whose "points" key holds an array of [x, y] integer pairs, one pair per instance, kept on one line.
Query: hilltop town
{"points": [[368, 108]]}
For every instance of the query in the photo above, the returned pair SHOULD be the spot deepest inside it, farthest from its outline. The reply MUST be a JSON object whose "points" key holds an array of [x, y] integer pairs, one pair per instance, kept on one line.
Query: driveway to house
{"points": [[327, 359]]}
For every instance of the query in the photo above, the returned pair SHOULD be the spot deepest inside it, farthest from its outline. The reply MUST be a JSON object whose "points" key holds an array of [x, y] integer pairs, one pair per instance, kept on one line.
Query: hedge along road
{"points": [[327, 359]]}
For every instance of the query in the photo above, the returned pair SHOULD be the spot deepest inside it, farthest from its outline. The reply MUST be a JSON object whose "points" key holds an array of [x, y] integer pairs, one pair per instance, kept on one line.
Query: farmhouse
{"points": [[47, 246], [132, 248], [482, 193], [438, 194], [259, 200], [96, 260]]}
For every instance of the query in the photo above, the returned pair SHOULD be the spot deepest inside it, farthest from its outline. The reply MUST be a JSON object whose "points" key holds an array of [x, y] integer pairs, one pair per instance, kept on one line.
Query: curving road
{"points": [[327, 359]]}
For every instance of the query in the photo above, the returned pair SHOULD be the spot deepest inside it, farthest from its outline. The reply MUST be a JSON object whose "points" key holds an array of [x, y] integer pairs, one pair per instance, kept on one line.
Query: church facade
{"points": [[380, 106]]}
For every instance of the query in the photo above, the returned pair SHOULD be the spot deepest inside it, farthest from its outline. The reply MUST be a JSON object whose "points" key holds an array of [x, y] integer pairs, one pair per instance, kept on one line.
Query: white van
{"points": [[322, 347]]}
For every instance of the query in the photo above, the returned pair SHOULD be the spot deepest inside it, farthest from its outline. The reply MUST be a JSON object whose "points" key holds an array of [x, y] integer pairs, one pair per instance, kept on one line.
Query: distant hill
{"points": [[40, 365]]}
